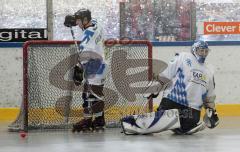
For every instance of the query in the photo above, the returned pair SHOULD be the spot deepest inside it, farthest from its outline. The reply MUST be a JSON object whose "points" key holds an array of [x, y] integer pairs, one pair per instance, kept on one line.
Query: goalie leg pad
{"points": [[151, 122]]}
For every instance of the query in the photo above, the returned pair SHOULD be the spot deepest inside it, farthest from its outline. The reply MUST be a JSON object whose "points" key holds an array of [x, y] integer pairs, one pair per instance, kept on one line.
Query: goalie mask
{"points": [[84, 15], [200, 50]]}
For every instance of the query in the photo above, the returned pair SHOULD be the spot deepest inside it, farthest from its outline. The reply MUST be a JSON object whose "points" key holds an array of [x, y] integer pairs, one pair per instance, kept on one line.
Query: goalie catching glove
{"points": [[77, 75], [211, 118]]}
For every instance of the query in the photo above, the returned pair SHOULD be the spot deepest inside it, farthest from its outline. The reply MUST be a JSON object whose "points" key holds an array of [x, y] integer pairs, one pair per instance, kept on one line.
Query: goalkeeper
{"points": [[191, 88], [90, 71]]}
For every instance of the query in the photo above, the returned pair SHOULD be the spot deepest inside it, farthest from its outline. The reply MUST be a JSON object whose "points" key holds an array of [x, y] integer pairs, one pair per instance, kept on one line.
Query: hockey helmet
{"points": [[82, 13], [200, 50]]}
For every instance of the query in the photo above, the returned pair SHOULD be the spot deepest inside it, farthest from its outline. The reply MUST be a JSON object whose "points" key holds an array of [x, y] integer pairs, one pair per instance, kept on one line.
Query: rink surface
{"points": [[225, 138]]}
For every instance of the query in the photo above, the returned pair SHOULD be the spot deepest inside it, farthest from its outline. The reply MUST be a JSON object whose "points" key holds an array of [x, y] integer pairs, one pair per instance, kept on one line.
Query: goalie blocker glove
{"points": [[70, 21], [77, 75], [211, 118]]}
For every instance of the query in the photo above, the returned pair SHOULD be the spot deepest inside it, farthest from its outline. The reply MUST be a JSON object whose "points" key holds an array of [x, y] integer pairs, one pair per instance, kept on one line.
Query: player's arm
{"points": [[154, 88], [78, 71], [70, 21], [174, 64], [164, 78], [85, 39], [211, 116]]}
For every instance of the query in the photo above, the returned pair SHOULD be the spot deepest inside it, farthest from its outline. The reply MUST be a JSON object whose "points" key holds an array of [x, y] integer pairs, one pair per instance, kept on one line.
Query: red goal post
{"points": [[52, 101]]}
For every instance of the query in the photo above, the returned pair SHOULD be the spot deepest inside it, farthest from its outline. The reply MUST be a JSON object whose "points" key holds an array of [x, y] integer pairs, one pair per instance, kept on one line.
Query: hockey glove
{"points": [[70, 21], [211, 118], [77, 75], [152, 90], [151, 96]]}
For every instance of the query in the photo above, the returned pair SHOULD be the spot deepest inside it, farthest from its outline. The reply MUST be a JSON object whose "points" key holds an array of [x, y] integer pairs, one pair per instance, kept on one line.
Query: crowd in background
{"points": [[161, 20]]}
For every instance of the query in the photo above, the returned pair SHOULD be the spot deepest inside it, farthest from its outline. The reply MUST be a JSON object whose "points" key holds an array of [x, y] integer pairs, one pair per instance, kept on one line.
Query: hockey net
{"points": [[52, 101]]}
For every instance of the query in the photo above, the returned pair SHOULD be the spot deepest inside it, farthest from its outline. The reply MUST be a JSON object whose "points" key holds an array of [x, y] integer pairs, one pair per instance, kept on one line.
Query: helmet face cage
{"points": [[200, 46], [83, 13]]}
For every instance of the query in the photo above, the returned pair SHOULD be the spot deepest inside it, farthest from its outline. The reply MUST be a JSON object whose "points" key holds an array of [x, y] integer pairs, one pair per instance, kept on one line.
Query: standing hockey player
{"points": [[91, 71], [191, 86]]}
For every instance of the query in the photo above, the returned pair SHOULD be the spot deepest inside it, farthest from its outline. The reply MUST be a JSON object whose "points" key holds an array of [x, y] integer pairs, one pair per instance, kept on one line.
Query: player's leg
{"points": [[95, 72], [151, 122], [97, 107], [189, 118], [94, 76], [211, 116], [86, 123], [96, 85], [190, 122]]}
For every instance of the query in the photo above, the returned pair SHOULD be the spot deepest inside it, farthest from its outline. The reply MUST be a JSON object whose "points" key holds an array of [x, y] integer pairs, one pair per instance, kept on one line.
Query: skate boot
{"points": [[84, 125], [98, 124]]}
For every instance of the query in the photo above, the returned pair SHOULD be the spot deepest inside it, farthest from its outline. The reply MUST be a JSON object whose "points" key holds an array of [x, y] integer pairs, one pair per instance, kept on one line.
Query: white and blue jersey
{"points": [[92, 41], [192, 82]]}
